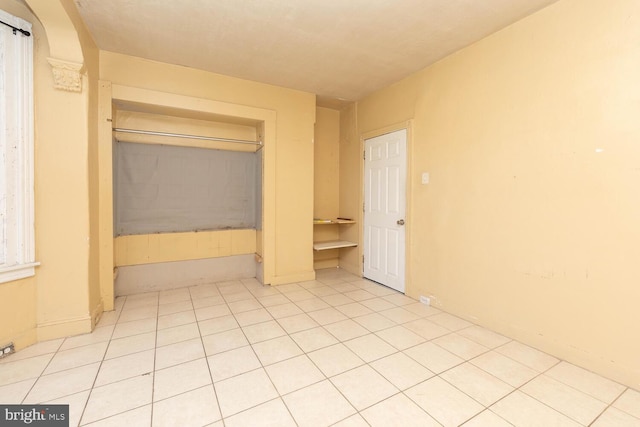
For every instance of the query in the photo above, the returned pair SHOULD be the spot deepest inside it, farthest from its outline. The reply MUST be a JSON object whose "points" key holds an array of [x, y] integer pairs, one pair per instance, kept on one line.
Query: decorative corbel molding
{"points": [[66, 75]]}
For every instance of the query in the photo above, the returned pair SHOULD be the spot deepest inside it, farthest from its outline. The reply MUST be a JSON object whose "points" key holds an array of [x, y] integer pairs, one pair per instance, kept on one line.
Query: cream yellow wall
{"points": [[58, 300], [293, 192], [165, 247], [326, 183], [530, 222]]}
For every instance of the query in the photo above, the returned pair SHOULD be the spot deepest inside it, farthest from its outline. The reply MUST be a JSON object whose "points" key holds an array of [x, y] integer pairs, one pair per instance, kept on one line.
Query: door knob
{"points": [[400, 222]]}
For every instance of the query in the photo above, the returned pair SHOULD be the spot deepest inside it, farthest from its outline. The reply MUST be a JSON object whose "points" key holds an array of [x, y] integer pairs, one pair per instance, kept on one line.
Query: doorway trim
{"points": [[408, 125]]}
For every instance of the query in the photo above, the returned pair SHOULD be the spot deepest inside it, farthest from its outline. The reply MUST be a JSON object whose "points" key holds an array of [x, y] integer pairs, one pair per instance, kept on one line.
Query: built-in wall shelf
{"points": [[333, 244], [317, 221]]}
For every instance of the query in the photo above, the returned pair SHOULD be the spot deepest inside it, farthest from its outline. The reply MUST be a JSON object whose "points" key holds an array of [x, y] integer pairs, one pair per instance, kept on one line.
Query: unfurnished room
{"points": [[313, 213]]}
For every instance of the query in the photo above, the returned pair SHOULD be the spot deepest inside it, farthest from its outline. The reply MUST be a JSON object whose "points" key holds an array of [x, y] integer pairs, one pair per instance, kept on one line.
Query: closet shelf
{"points": [[318, 221], [333, 244]]}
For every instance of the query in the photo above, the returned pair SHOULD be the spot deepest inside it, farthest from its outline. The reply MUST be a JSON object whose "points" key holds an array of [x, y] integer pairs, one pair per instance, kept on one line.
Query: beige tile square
{"points": [[270, 414], [174, 307], [129, 315], [346, 330], [629, 402], [318, 405], [130, 345], [327, 315], [108, 318], [398, 299], [264, 291], [522, 410], [224, 341], [294, 374], [480, 385], [284, 310], [487, 419], [483, 336], [398, 410], [587, 382], [203, 291], [400, 337], [313, 339], [504, 368], [237, 296], [181, 352], [125, 367], [176, 319], [208, 301], [460, 346], [177, 334], [219, 324], [567, 400], [137, 327], [76, 357], [276, 350], [353, 309], [379, 291], [345, 287], [323, 291], [613, 417], [140, 300], [174, 295], [312, 304], [136, 417], [433, 357], [247, 318], [352, 421], [426, 329], [370, 347], [13, 394], [272, 300], [449, 321], [180, 378], [335, 359], [448, 405], [298, 296], [244, 305], [360, 295], [293, 287], [400, 315], [528, 356], [297, 323], [263, 331], [421, 309], [377, 303], [233, 362], [20, 370], [212, 311], [375, 322], [198, 407], [401, 370], [244, 391], [337, 299], [60, 384], [98, 335], [363, 387], [118, 397]]}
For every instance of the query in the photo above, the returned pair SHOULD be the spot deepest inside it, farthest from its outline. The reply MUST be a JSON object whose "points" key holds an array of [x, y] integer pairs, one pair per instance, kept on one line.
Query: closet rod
{"points": [[182, 135]]}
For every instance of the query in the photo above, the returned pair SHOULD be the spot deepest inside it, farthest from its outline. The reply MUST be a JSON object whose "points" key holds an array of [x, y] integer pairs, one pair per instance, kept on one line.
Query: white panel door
{"points": [[385, 170]]}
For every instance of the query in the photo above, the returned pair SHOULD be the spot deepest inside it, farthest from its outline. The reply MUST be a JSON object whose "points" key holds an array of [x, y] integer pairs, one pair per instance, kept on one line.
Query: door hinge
{"points": [[363, 259], [363, 210], [364, 155]]}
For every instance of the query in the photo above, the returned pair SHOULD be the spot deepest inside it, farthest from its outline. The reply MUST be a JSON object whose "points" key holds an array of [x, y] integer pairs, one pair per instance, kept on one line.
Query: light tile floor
{"points": [[339, 351]]}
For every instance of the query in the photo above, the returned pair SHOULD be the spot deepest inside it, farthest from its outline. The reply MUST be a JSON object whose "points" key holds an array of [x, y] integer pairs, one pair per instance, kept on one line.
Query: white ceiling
{"points": [[338, 49]]}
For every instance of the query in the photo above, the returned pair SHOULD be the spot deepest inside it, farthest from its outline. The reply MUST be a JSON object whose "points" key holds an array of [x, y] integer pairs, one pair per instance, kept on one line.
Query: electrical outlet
{"points": [[425, 300], [7, 350]]}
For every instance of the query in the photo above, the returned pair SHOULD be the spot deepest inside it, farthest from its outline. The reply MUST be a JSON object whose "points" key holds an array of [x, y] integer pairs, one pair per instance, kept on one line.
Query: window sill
{"points": [[17, 272]]}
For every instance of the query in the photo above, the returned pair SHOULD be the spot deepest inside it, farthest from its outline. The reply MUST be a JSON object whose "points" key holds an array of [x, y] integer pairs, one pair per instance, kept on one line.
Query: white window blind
{"points": [[17, 255]]}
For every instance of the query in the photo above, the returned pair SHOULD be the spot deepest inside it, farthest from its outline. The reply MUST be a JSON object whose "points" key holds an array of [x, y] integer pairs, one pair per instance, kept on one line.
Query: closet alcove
{"points": [[187, 190]]}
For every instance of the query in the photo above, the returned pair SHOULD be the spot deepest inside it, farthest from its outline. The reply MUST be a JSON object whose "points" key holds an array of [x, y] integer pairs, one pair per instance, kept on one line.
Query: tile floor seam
{"points": [[206, 358], [610, 405]]}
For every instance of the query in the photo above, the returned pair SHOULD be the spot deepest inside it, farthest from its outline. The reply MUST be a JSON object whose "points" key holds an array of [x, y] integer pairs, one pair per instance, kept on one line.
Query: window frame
{"points": [[17, 254]]}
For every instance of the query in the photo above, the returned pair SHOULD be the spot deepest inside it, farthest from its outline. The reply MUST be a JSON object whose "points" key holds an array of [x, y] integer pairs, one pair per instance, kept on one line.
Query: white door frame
{"points": [[408, 125]]}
